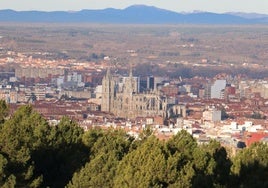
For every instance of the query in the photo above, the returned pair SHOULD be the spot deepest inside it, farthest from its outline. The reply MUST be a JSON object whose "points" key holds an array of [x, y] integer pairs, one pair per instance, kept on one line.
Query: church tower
{"points": [[108, 92], [131, 84]]}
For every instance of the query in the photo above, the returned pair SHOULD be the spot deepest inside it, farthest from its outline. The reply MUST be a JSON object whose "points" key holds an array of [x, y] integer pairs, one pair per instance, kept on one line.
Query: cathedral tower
{"points": [[108, 92]]}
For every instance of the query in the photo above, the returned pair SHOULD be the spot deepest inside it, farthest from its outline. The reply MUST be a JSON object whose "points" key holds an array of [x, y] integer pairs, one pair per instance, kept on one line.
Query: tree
{"points": [[5, 179], [196, 166], [34, 154], [143, 167], [107, 149], [146, 132], [91, 136], [65, 153], [38, 154], [203, 166], [18, 139], [182, 142], [215, 167], [181, 148], [224, 114], [250, 166], [4, 110]]}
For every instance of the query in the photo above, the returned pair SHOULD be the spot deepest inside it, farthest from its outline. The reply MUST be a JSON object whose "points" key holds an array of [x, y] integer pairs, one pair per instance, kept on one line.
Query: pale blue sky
{"points": [[219, 6]]}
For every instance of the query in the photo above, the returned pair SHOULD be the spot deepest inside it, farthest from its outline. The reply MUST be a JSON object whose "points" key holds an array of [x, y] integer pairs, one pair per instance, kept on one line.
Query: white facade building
{"points": [[216, 89], [212, 114]]}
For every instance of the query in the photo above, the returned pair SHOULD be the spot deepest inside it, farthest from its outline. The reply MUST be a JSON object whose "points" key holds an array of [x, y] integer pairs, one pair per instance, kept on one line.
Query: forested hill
{"points": [[34, 154], [136, 14]]}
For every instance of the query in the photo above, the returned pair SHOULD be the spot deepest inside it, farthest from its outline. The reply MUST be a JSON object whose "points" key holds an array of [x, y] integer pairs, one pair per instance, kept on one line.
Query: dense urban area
{"points": [[193, 99]]}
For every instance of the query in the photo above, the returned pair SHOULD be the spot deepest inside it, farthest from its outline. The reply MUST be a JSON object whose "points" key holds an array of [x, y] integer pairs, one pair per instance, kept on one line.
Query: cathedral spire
{"points": [[108, 72], [131, 71]]}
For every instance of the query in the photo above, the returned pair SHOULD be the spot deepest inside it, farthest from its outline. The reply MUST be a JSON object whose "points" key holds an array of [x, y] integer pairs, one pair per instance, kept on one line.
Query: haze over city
{"points": [[217, 6], [124, 93]]}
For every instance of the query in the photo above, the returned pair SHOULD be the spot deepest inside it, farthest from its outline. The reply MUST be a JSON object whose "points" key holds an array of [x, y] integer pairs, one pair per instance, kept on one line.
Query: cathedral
{"points": [[120, 96]]}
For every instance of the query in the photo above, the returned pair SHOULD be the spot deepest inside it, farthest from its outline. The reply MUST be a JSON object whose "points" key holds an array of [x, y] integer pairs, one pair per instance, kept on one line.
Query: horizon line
{"points": [[179, 12]]}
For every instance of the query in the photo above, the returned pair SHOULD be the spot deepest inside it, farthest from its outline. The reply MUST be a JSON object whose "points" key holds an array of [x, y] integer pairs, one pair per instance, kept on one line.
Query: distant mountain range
{"points": [[136, 14]]}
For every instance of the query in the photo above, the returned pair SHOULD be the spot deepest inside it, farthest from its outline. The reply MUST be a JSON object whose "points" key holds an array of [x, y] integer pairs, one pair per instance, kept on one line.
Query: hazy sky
{"points": [[220, 6]]}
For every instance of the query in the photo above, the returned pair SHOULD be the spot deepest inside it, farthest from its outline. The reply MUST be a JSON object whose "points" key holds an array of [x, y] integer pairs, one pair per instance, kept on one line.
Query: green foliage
{"points": [[66, 132], [197, 166], [40, 155], [18, 138], [34, 154], [143, 167], [91, 136], [107, 149], [183, 142], [99, 172], [212, 165], [4, 109], [146, 132], [113, 140], [250, 166], [3, 173], [10, 182], [65, 153]]}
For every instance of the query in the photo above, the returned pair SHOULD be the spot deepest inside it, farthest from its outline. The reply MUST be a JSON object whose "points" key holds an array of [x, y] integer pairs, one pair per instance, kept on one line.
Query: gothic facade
{"points": [[124, 100]]}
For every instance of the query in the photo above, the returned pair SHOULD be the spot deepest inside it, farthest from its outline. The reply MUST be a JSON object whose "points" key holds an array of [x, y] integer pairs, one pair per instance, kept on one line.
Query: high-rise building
{"points": [[217, 89], [150, 82]]}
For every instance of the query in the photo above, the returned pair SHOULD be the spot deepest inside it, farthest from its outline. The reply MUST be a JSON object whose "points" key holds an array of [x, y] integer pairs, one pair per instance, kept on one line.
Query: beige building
{"points": [[34, 72], [124, 99], [212, 115]]}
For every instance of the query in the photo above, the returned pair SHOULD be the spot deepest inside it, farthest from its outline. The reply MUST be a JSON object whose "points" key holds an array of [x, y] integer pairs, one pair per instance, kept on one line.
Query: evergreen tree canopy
{"points": [[35, 154], [4, 109], [250, 166], [107, 149]]}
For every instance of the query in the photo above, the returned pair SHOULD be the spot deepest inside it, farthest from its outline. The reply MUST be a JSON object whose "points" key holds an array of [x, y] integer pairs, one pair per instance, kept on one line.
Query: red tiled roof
{"points": [[255, 137]]}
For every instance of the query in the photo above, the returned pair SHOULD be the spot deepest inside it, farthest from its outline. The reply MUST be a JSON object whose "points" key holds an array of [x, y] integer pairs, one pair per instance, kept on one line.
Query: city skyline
{"points": [[217, 6]]}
